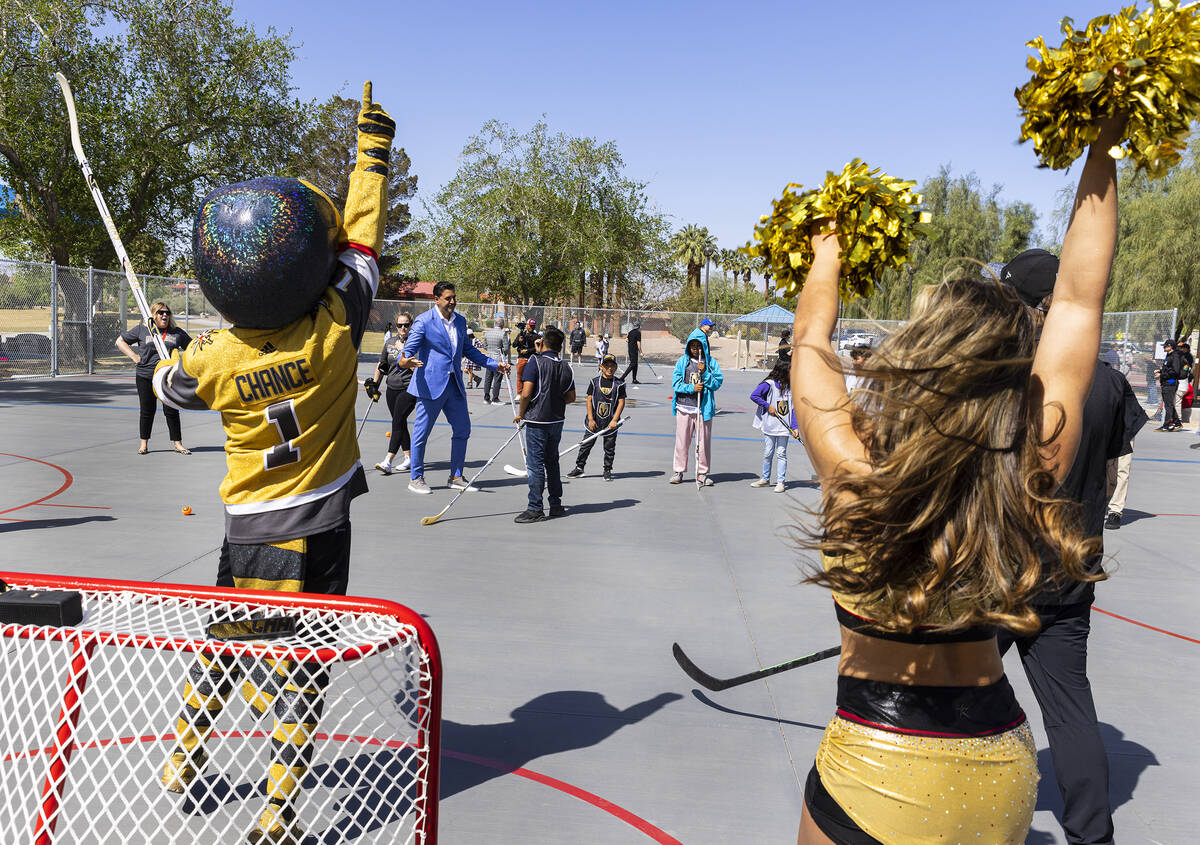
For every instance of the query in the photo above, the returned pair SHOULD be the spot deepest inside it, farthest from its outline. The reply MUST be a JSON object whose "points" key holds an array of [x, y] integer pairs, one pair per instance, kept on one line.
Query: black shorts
{"points": [[576, 350], [318, 563]]}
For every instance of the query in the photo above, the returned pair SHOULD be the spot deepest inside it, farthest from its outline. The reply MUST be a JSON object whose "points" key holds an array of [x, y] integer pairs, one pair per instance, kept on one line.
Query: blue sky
{"points": [[716, 105]]}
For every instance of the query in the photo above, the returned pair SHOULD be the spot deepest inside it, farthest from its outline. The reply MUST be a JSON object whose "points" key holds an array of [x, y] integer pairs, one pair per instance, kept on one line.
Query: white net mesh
{"points": [[135, 727]]}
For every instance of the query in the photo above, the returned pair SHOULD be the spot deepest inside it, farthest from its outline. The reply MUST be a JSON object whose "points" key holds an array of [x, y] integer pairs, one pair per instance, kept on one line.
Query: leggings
{"points": [[148, 402], [401, 404]]}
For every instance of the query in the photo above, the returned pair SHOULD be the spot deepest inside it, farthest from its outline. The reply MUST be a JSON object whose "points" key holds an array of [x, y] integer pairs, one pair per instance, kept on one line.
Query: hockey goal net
{"points": [[147, 723]]}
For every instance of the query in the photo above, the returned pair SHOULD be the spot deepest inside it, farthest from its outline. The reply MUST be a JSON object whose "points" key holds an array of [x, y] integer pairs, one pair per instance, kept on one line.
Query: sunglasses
{"points": [[404, 325], [163, 313]]}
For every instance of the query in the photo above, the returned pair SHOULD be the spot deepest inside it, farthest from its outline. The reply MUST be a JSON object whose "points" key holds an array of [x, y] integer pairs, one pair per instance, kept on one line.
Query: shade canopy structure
{"points": [[772, 315]]}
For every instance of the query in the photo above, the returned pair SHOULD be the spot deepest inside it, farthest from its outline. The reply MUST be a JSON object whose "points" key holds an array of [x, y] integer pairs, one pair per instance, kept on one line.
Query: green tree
{"points": [[693, 246], [326, 155]]}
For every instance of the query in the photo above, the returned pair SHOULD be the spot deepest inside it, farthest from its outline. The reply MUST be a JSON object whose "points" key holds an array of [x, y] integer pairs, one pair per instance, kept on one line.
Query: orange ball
{"points": [[187, 511], [389, 434]]}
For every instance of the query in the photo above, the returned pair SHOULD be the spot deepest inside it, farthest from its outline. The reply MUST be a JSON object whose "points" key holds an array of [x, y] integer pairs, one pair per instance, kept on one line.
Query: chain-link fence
{"points": [[65, 320]]}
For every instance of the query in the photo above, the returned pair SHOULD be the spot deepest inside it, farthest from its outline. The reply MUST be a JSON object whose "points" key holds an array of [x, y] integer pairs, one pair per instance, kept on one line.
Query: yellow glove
{"points": [[366, 202]]}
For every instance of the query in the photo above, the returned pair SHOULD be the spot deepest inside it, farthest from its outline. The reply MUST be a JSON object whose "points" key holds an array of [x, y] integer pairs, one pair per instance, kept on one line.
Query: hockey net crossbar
{"points": [[136, 726]]}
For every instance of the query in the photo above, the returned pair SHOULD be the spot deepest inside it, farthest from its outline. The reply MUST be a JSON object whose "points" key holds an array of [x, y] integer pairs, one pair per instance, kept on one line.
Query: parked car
{"points": [[856, 339]]}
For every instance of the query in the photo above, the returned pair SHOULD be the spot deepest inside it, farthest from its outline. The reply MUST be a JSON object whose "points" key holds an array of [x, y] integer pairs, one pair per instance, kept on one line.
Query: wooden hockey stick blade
{"points": [[717, 684]]}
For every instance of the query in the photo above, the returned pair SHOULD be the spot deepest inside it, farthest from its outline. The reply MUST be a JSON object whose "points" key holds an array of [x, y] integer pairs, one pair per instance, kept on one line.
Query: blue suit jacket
{"points": [[428, 340]]}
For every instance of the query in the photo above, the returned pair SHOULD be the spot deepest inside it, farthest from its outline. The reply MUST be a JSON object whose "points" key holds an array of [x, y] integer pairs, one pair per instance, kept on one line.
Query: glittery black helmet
{"points": [[265, 250]]}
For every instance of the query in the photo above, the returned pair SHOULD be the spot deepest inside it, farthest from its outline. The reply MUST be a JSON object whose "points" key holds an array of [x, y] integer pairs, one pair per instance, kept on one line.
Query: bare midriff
{"points": [[969, 664]]}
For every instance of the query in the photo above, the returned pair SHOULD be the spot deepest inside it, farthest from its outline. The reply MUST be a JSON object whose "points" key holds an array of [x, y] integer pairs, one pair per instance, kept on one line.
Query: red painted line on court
{"points": [[574, 791], [68, 480], [1143, 624]]}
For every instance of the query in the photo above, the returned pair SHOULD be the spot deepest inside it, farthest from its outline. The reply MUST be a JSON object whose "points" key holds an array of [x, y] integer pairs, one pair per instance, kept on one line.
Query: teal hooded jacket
{"points": [[712, 377]]}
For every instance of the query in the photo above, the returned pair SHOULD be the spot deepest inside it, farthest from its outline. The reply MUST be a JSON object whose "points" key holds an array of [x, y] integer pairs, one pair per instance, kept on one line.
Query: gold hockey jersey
{"points": [[286, 398]]}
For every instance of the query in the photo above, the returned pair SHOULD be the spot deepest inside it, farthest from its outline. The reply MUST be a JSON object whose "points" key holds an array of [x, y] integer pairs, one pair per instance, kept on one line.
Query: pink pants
{"points": [[685, 432]]}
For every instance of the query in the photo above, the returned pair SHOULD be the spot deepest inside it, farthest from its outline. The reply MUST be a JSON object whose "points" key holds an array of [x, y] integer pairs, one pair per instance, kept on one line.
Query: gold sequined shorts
{"points": [[902, 784]]}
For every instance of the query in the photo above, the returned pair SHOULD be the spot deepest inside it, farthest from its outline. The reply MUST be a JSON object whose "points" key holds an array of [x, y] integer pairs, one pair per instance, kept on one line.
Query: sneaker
{"points": [[487, 401], [704, 481], [181, 769], [575, 473], [761, 482], [457, 482], [384, 467], [1112, 521], [404, 464], [608, 475], [557, 511], [529, 516], [418, 485], [1163, 428], [779, 488], [677, 478]]}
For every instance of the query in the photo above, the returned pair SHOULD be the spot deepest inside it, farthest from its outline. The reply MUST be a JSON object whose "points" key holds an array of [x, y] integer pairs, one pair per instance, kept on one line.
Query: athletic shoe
{"points": [[761, 482], [677, 478], [418, 485], [1163, 428], [1113, 521], [608, 475], [779, 488], [529, 516], [457, 482], [557, 511], [384, 467], [1194, 446], [404, 464], [704, 481], [487, 401], [181, 769], [575, 473], [635, 387]]}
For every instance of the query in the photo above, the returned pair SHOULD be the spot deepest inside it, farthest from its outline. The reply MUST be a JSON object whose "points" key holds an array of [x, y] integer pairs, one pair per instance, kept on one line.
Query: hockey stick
{"points": [[651, 366], [374, 402], [106, 216], [717, 684], [430, 520], [593, 436], [509, 468]]}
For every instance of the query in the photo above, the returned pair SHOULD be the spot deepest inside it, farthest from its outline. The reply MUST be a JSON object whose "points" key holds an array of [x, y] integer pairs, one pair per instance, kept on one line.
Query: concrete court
{"points": [[561, 693]]}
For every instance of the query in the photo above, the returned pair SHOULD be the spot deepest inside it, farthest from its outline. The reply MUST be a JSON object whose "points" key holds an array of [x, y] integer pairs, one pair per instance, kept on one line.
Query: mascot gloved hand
{"points": [[366, 202], [372, 389]]}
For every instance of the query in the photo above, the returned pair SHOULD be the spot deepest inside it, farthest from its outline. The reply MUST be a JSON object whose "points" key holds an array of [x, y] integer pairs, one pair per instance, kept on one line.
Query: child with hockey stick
{"points": [[296, 281], [697, 377], [774, 419], [605, 402]]}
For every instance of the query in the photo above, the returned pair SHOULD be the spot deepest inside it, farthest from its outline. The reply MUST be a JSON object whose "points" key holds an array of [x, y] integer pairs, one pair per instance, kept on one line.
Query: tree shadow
{"points": [[548, 724], [31, 524]]}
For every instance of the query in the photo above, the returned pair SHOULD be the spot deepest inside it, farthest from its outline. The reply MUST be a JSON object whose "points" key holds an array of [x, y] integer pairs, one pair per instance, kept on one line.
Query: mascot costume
{"points": [[296, 280]]}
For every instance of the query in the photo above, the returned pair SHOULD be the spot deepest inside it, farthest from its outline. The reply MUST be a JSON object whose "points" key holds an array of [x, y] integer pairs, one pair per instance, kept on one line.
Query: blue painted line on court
{"points": [[624, 431]]}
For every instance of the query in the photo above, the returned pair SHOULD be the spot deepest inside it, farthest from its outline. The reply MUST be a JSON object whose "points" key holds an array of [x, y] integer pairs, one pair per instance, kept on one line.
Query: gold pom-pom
{"points": [[877, 221], [1146, 65]]}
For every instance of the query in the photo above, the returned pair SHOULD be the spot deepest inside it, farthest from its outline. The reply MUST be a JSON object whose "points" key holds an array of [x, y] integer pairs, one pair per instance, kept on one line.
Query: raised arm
{"points": [[819, 395], [1066, 355]]}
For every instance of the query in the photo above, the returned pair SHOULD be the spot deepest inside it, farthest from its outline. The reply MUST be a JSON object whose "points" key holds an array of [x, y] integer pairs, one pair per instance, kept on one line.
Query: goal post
{"points": [[184, 714]]}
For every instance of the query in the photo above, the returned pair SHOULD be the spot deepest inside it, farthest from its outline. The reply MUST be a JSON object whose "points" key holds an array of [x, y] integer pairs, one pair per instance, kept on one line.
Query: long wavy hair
{"points": [[955, 521]]}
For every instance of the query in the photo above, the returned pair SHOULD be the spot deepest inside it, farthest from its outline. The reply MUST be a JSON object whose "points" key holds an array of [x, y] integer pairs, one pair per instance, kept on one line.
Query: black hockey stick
{"points": [[717, 684]]}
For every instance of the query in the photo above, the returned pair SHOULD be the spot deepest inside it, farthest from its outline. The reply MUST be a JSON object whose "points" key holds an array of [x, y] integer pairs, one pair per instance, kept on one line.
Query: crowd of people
{"points": [[968, 466]]}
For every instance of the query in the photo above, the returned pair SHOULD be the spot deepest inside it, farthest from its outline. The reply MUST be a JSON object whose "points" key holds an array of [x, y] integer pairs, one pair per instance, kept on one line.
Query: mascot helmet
{"points": [[265, 250]]}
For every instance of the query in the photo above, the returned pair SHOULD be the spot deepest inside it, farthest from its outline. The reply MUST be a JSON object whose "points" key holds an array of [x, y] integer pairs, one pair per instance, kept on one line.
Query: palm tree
{"points": [[692, 246]]}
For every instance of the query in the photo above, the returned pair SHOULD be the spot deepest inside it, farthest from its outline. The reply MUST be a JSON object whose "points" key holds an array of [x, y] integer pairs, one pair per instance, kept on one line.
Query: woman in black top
{"points": [[397, 368], [146, 357]]}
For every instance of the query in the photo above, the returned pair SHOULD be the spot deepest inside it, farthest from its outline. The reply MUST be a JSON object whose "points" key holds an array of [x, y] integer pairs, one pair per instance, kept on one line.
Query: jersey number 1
{"points": [[283, 416]]}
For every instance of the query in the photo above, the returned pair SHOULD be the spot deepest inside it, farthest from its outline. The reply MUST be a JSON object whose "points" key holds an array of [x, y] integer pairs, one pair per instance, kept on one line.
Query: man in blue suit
{"points": [[438, 340]]}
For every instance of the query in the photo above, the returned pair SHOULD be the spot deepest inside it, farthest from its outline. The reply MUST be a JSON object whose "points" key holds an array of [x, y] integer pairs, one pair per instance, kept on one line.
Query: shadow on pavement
{"points": [[72, 391], [1129, 516], [705, 700], [549, 724], [600, 507], [28, 525]]}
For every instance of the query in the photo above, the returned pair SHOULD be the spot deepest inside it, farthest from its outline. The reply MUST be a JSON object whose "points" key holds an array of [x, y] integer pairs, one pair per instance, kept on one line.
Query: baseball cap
{"points": [[1032, 274], [707, 322], [532, 322], [608, 359]]}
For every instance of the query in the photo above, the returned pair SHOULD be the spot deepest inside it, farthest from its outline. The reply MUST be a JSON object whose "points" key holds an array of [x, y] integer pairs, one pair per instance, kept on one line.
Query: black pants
{"points": [[1168, 399], [400, 403], [632, 368], [1055, 661], [610, 450], [148, 404]]}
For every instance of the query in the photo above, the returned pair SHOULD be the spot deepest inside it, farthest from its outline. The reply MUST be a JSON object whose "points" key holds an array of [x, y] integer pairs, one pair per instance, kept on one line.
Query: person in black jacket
{"points": [[1168, 382], [400, 402], [146, 358], [526, 346], [1055, 658]]}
